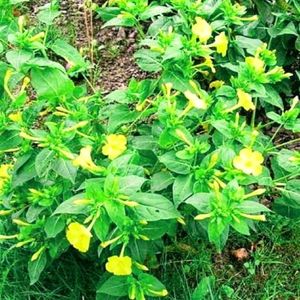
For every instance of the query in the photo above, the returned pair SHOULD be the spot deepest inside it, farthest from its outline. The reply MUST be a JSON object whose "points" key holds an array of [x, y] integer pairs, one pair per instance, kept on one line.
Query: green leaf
{"points": [[17, 58], [114, 286], [119, 115], [154, 207], [151, 283], [65, 169], [201, 201], [51, 83], [145, 142], [178, 81], [43, 162], [288, 29], [148, 60], [249, 44], [123, 21], [70, 54], [35, 268], [161, 180], [292, 190], [48, 15], [41, 62], [175, 164], [116, 212], [108, 13], [130, 184], [182, 188], [101, 226], [287, 207], [251, 207], [10, 139], [153, 11], [25, 173], [273, 97], [204, 288], [53, 226], [69, 207]]}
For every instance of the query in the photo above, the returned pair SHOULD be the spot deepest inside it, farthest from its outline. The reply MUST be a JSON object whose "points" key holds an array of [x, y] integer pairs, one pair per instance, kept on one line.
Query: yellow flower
{"points": [[195, 101], [202, 30], [221, 43], [249, 162], [4, 171], [256, 63], [245, 100], [15, 117], [79, 236], [216, 84], [119, 265], [115, 145], [209, 63], [84, 160]]}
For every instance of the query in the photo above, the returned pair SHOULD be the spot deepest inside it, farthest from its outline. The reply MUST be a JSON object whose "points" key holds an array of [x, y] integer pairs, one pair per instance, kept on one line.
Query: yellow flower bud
{"points": [[20, 222], [37, 254], [201, 217], [254, 217], [255, 193]]}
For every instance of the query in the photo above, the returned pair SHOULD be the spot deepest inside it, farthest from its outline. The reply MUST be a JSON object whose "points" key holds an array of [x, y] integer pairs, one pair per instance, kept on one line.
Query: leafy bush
{"points": [[186, 152]]}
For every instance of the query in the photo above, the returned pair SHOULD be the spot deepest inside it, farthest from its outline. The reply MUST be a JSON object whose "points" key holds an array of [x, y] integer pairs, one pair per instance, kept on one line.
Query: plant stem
{"points": [[284, 144]]}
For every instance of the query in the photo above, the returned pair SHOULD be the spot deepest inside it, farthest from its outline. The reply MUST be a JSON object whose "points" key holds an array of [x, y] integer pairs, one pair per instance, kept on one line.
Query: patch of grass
{"points": [[69, 278], [271, 272]]}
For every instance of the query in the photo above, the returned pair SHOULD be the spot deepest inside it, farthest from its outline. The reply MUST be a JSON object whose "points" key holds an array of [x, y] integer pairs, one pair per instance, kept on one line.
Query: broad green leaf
{"points": [[53, 226], [161, 180], [249, 44], [182, 188], [10, 139], [152, 283], [119, 115], [153, 11], [144, 142], [121, 20], [148, 60], [101, 226], [48, 15], [108, 13], [205, 288], [51, 83], [130, 184], [114, 286], [17, 58], [35, 268], [201, 201], [70, 54], [251, 207], [65, 169], [71, 207], [175, 164], [178, 81], [154, 207], [43, 162]]}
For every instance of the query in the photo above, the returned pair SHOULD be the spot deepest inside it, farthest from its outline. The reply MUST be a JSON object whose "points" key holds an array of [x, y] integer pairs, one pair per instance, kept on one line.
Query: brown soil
{"points": [[114, 63]]}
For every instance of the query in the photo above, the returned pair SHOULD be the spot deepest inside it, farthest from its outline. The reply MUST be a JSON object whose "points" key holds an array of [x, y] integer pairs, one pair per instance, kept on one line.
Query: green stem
{"points": [[254, 113], [273, 137], [284, 144]]}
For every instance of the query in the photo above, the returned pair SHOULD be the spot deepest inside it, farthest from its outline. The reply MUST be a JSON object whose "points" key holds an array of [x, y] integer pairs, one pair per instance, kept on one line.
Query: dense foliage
{"points": [[187, 151]]}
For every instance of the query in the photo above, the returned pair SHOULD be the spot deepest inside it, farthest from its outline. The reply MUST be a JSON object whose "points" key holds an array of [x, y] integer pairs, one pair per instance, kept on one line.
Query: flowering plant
{"points": [[186, 151]]}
